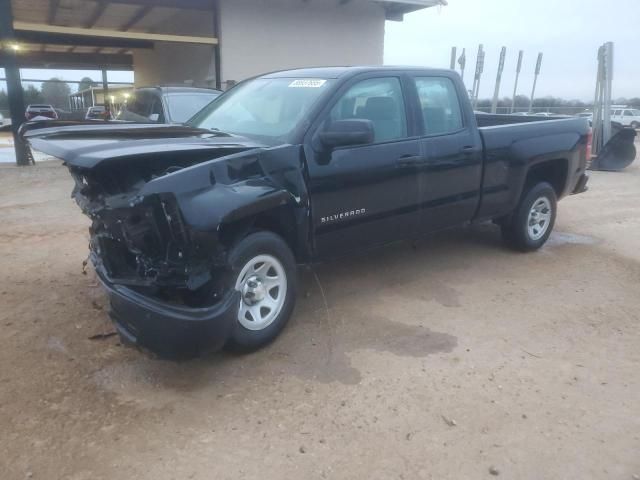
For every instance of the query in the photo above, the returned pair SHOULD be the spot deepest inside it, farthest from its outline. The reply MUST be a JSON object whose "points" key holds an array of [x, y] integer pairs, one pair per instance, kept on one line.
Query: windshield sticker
{"points": [[307, 83]]}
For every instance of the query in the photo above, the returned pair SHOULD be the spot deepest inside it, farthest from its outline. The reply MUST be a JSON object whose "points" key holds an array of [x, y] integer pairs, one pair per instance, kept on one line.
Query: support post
{"points": [[462, 61], [105, 94], [515, 85], [607, 83], [535, 81], [478, 75], [496, 92], [14, 84], [216, 48]]}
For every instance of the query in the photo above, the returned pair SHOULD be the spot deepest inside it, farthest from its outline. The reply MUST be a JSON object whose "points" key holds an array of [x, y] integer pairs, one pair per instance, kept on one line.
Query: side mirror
{"points": [[342, 133]]}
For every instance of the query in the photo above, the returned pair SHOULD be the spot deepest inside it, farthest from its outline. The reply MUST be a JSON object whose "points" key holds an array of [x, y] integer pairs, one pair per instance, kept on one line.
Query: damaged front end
{"points": [[167, 282], [156, 206], [142, 241]]}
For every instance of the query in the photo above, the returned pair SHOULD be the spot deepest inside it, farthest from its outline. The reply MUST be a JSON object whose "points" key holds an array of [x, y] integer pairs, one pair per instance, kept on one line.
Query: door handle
{"points": [[410, 160], [467, 149]]}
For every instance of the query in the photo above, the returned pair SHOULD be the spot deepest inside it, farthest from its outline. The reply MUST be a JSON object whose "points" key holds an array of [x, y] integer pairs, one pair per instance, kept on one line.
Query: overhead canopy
{"points": [[397, 8], [91, 33]]}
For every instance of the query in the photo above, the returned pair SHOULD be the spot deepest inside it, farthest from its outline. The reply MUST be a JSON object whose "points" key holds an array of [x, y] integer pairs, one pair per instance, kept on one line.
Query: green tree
{"points": [[522, 101], [85, 83], [32, 95], [56, 92]]}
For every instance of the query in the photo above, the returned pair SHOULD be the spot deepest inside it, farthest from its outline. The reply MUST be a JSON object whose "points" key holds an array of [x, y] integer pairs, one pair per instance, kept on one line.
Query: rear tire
{"points": [[264, 271], [530, 225]]}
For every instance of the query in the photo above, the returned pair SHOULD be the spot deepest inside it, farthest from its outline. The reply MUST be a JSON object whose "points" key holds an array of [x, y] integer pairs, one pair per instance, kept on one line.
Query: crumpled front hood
{"points": [[87, 146]]}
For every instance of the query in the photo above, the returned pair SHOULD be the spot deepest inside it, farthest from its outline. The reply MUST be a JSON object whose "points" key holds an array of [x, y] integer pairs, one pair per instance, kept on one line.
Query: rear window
{"points": [[144, 107], [183, 106], [41, 106]]}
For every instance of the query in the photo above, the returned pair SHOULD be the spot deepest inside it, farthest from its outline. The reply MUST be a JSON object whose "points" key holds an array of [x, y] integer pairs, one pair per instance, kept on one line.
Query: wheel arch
{"points": [[283, 220], [554, 171]]}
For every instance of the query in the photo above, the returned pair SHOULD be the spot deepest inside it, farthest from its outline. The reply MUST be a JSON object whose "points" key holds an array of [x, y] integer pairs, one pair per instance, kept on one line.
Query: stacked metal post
{"points": [[602, 103]]}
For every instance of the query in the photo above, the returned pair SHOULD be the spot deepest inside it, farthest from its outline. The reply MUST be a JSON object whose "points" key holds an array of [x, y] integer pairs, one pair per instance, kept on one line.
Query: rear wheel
{"points": [[531, 224], [264, 273]]}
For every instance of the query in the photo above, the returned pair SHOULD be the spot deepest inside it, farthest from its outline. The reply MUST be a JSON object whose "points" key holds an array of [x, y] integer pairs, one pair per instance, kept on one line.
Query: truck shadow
{"points": [[386, 301], [380, 301]]}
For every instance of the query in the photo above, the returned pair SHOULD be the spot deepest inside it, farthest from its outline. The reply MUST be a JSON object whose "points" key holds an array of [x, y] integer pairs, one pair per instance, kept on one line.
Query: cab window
{"points": [[139, 108], [378, 100], [439, 105]]}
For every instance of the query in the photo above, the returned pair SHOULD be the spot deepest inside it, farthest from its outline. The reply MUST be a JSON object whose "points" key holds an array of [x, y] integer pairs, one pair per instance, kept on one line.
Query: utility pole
{"points": [[515, 86], [453, 58], [496, 92], [462, 61], [535, 81], [478, 75]]}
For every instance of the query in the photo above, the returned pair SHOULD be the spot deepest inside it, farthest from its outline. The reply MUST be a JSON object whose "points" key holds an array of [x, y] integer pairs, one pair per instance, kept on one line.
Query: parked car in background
{"points": [[628, 117], [4, 122], [166, 104], [98, 112], [44, 112], [546, 114], [588, 116]]}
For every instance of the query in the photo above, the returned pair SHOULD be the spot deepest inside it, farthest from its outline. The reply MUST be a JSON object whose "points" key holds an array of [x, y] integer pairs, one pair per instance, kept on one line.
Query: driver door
{"points": [[365, 195]]}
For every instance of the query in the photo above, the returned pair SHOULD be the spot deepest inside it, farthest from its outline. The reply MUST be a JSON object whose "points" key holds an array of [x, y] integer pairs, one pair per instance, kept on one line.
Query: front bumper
{"points": [[170, 330]]}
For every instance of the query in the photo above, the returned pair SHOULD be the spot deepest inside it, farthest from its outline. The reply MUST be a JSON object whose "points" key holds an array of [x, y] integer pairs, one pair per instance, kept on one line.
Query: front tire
{"points": [[264, 272], [531, 224]]}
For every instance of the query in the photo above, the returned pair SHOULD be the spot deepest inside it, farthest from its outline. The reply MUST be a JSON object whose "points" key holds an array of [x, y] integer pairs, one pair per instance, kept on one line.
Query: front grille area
{"points": [[143, 242]]}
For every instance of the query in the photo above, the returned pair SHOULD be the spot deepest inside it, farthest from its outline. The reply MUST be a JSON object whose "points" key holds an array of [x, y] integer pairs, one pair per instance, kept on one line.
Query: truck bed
{"points": [[514, 143], [494, 119]]}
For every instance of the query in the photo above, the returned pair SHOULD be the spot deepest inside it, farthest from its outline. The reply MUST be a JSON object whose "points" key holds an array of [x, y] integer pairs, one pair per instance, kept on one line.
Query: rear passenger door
{"points": [[450, 177]]}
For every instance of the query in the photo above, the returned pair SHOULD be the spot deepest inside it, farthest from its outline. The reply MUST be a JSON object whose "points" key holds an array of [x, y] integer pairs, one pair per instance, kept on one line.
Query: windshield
{"points": [[267, 108], [183, 106]]}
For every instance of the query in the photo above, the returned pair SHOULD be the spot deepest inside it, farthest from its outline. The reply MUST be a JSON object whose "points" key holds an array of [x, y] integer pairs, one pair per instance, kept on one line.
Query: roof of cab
{"points": [[177, 89], [340, 72]]}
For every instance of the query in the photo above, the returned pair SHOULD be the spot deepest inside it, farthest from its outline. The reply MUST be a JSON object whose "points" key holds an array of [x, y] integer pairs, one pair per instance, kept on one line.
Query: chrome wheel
{"points": [[539, 218], [262, 284]]}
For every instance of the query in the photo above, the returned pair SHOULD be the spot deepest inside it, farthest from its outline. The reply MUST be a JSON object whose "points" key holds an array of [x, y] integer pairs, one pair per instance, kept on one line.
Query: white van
{"points": [[629, 117]]}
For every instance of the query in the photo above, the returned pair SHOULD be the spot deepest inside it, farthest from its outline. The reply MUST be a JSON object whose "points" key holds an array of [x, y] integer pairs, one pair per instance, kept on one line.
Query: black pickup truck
{"points": [[197, 229]]}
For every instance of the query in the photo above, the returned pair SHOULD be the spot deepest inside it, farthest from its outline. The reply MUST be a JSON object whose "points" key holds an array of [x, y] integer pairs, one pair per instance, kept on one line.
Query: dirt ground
{"points": [[441, 361]]}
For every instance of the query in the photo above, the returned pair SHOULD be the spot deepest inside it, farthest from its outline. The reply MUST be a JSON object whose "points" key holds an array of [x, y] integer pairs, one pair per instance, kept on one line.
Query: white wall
{"points": [[259, 36], [178, 63]]}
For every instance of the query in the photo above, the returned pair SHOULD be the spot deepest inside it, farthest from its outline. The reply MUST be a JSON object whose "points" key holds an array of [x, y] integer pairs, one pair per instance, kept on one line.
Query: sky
{"points": [[567, 32]]}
